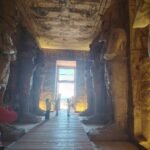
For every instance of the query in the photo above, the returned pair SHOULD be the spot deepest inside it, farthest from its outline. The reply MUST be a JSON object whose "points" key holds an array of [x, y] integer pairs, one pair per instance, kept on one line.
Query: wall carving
{"points": [[142, 18], [114, 33], [139, 26], [116, 56], [64, 25], [145, 99], [8, 23]]}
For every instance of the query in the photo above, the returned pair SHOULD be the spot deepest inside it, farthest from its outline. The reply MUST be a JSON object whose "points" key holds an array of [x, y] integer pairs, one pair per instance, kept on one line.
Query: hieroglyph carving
{"points": [[115, 55], [142, 18]]}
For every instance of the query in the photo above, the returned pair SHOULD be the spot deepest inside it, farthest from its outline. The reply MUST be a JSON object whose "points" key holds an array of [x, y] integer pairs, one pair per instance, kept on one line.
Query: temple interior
{"points": [[95, 53]]}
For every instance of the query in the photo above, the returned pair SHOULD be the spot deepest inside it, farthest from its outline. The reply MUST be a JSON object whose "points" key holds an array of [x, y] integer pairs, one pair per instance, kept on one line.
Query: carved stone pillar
{"points": [[81, 95], [4, 74], [37, 84], [100, 114], [116, 56], [25, 64], [99, 81], [8, 25], [90, 90], [10, 94]]}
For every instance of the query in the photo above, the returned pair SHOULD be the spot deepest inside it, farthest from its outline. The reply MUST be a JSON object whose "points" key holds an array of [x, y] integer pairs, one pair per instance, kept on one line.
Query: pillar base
{"points": [[96, 119], [109, 132], [29, 118], [86, 113], [39, 113], [11, 133]]}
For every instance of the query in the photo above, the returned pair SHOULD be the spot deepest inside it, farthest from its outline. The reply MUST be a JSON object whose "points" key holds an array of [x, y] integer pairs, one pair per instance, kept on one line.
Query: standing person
{"points": [[73, 102], [48, 108], [69, 106], [57, 104]]}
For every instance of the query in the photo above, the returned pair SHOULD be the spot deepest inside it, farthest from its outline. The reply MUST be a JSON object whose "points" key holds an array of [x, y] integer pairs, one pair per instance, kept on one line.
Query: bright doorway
{"points": [[66, 81]]}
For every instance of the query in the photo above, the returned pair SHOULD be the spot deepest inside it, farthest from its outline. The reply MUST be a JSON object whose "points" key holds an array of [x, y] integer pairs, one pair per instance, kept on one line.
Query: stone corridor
{"points": [[107, 45], [59, 133]]}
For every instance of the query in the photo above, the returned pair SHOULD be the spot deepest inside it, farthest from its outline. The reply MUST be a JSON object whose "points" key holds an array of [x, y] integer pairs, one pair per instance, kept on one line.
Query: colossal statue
{"points": [[116, 56], [7, 49], [100, 115], [114, 33]]}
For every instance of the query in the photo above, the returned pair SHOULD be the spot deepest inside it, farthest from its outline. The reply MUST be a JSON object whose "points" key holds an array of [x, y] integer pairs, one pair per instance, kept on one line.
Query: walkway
{"points": [[59, 133]]}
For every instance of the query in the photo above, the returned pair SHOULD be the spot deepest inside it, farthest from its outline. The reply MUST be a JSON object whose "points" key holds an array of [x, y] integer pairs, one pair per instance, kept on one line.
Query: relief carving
{"points": [[114, 33], [115, 55], [8, 25], [142, 18], [145, 97]]}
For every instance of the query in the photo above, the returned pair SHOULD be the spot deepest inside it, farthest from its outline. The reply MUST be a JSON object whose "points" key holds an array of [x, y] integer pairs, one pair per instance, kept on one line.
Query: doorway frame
{"points": [[65, 81]]}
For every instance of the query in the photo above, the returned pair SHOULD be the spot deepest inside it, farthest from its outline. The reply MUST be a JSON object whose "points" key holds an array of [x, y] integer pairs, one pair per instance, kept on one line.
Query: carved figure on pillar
{"points": [[100, 114], [37, 80], [114, 33], [116, 56], [27, 50], [90, 89], [8, 25]]}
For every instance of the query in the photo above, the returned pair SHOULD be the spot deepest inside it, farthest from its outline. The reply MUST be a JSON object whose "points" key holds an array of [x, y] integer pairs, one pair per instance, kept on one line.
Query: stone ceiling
{"points": [[63, 24]]}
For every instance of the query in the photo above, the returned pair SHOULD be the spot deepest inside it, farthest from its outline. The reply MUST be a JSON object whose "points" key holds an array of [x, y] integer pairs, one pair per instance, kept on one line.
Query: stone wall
{"points": [[48, 87], [139, 65], [145, 97], [51, 57]]}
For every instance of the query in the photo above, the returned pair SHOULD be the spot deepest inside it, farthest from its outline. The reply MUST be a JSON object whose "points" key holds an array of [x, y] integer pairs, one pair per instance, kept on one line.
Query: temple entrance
{"points": [[65, 81]]}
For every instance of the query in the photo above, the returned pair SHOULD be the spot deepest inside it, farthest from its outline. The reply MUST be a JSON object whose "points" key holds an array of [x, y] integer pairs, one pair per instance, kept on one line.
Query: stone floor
{"points": [[59, 133], [118, 145], [108, 144], [65, 133]]}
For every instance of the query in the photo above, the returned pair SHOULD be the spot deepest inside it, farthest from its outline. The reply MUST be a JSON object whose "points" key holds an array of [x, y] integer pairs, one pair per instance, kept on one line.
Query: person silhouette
{"points": [[57, 104], [69, 106], [48, 108]]}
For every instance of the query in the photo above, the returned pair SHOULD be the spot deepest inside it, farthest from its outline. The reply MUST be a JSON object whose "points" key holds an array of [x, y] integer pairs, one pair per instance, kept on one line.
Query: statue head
{"points": [[116, 44], [113, 18]]}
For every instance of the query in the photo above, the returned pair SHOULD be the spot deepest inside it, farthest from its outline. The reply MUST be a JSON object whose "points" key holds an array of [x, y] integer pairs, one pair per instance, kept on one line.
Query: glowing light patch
{"points": [[81, 106], [145, 144], [43, 97]]}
